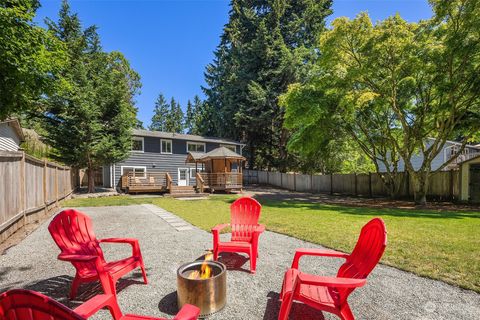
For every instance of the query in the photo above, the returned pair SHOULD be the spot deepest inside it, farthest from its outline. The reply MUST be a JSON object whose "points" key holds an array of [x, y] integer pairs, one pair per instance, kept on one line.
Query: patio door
{"points": [[183, 176]]}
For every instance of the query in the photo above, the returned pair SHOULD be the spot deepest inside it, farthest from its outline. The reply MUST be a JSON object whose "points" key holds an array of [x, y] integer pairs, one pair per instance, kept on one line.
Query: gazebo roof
{"points": [[218, 153]]}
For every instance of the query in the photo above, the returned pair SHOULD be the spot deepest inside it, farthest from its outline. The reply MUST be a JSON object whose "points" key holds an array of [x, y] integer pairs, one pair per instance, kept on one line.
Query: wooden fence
{"points": [[443, 185], [29, 187]]}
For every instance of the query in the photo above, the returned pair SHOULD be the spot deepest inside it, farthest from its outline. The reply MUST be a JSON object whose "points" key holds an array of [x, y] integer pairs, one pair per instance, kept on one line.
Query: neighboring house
{"points": [[449, 150], [165, 152], [11, 135]]}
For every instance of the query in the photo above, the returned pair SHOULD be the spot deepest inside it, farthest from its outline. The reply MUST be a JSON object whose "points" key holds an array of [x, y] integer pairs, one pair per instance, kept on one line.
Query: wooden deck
{"points": [[150, 182], [219, 181]]}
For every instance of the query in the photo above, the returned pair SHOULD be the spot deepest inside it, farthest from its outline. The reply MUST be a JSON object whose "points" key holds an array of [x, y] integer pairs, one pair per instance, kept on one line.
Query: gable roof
{"points": [[182, 136], [218, 153], [16, 126]]}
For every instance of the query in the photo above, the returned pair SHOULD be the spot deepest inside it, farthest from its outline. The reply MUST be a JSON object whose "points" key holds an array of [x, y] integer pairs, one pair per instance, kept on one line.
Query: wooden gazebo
{"points": [[221, 169]]}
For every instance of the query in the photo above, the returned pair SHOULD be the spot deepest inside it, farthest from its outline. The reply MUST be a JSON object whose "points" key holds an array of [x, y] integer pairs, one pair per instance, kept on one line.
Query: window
{"points": [[138, 171], [195, 147], [230, 147], [166, 146], [137, 144], [192, 172]]}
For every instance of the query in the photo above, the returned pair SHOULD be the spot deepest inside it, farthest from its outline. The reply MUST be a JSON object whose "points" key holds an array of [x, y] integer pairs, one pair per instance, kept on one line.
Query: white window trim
{"points": [[135, 167], [161, 147], [192, 172], [143, 144], [203, 143], [229, 145]]}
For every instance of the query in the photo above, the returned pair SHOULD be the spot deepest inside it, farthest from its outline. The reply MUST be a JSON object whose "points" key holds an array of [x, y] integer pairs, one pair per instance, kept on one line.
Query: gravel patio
{"points": [[166, 243]]}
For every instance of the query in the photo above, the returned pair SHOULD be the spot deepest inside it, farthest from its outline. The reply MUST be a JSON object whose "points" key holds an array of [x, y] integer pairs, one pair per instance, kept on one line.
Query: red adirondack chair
{"points": [[245, 213], [21, 304], [72, 231], [330, 293]]}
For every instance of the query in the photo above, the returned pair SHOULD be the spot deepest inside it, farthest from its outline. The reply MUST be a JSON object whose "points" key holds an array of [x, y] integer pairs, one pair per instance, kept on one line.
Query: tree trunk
{"points": [[420, 183], [91, 179]]}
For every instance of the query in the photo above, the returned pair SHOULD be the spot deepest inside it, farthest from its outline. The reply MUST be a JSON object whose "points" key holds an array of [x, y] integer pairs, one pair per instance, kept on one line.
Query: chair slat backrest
{"points": [[245, 213], [20, 304], [73, 233], [367, 253]]}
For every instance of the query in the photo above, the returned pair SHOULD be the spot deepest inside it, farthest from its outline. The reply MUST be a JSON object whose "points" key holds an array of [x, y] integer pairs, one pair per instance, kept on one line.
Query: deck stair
{"points": [[185, 192]]}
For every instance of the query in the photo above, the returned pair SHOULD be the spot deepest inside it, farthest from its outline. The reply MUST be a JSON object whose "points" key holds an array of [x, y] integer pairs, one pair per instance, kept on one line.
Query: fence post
{"points": [[294, 181], [281, 180], [311, 183], [268, 177], [356, 187], [331, 183], [45, 194], [407, 179], [370, 191], [452, 195], [23, 190], [56, 186]]}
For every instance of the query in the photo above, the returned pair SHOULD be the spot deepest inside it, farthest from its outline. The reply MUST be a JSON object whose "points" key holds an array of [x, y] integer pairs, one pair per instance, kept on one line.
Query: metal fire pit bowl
{"points": [[210, 295]]}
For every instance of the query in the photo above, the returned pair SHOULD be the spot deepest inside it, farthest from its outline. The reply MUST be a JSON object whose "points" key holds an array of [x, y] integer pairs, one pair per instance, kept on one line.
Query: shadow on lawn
{"points": [[299, 311], [364, 211]]}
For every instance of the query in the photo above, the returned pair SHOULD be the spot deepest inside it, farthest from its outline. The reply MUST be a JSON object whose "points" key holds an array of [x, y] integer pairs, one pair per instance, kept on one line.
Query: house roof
{"points": [[16, 126], [469, 159], [182, 136], [218, 153]]}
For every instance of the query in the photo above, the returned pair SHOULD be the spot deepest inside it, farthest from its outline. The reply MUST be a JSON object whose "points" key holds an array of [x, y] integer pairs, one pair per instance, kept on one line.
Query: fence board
{"points": [[27, 185], [442, 185]]}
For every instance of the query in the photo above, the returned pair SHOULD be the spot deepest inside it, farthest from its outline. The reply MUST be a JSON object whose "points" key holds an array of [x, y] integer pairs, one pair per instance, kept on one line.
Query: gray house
{"points": [[164, 152], [450, 149]]}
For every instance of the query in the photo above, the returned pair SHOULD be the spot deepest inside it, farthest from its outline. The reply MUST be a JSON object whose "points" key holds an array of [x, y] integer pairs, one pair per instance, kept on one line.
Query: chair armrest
{"points": [[316, 252], [219, 227], [94, 304], [131, 241], [120, 240], [331, 281], [188, 312], [76, 257], [259, 228]]}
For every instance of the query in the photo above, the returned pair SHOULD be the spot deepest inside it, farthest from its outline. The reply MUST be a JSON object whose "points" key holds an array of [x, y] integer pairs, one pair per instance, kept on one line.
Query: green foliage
{"points": [[89, 121], [29, 58], [392, 85], [263, 49], [160, 114]]}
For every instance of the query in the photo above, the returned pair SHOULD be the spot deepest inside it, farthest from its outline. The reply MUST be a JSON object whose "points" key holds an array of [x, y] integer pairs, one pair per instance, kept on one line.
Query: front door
{"points": [[183, 176], [474, 183]]}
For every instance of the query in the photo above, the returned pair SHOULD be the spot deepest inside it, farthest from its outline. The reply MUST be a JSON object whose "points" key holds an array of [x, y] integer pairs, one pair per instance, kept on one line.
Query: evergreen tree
{"points": [[174, 119], [160, 114], [190, 118], [89, 121], [262, 50]]}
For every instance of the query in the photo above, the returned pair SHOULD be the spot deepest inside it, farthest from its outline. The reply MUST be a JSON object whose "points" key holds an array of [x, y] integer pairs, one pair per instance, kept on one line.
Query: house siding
{"points": [[417, 159], [154, 161], [9, 139]]}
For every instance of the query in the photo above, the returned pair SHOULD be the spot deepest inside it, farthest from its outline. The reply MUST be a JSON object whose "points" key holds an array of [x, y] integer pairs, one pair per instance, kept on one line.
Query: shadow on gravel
{"points": [[58, 288], [234, 261], [168, 304], [299, 311]]}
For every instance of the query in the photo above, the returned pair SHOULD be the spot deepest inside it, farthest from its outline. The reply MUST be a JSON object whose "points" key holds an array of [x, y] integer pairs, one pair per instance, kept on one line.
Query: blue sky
{"points": [[169, 43]]}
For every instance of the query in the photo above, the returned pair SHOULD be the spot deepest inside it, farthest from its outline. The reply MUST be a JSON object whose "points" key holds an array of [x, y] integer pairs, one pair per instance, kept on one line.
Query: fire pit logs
{"points": [[203, 284]]}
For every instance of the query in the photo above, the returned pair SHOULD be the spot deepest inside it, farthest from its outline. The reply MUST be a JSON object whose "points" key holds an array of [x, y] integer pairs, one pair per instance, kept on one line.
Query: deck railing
{"points": [[152, 181], [219, 181]]}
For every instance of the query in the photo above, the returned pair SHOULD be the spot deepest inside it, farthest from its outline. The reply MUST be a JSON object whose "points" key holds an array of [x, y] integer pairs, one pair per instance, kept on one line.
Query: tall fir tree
{"points": [[190, 118], [264, 48], [160, 114], [175, 118], [89, 121]]}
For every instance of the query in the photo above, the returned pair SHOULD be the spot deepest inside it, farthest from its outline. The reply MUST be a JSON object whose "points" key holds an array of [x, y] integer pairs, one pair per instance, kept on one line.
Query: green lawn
{"points": [[439, 245]]}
